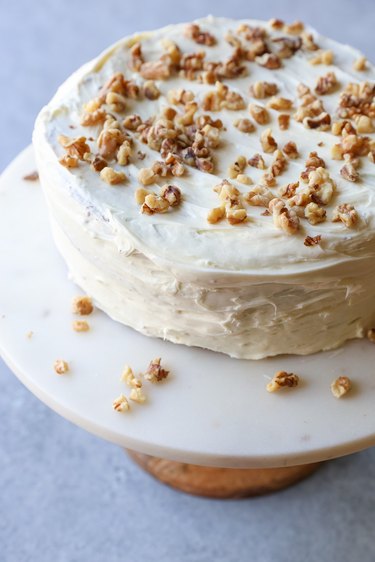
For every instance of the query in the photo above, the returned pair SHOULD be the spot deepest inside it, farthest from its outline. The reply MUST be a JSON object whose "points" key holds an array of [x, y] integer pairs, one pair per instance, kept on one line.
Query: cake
{"points": [[213, 184]]}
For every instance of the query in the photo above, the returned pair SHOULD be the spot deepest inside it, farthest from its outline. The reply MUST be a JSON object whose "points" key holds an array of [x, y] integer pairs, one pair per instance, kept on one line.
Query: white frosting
{"points": [[176, 276]]}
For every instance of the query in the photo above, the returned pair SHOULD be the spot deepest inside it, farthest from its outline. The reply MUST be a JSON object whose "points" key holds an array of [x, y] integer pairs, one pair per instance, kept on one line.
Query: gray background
{"points": [[68, 496]]}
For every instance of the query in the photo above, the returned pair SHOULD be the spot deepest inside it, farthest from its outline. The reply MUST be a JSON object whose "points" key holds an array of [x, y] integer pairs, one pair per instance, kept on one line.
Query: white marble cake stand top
{"points": [[212, 411]]}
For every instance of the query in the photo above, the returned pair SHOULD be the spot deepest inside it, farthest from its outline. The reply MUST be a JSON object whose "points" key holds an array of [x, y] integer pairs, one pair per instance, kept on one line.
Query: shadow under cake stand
{"points": [[212, 428]]}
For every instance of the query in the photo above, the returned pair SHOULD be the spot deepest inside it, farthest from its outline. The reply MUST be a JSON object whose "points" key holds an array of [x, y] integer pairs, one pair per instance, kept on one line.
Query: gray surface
{"points": [[67, 496]]}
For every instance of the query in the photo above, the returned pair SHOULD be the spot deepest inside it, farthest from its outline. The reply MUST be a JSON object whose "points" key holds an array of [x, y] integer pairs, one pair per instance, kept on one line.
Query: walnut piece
{"points": [[194, 32], [61, 367], [283, 120], [291, 150], [261, 90], [349, 172], [371, 335], [244, 125], [81, 326], [312, 240], [69, 161], [326, 84], [172, 194], [284, 218], [155, 372], [346, 214], [282, 379], [121, 404], [341, 386], [314, 213], [82, 305], [154, 204], [216, 214], [150, 90], [32, 176], [360, 64], [259, 196], [257, 161], [111, 177], [322, 57], [267, 141], [259, 114], [280, 104], [136, 394]]}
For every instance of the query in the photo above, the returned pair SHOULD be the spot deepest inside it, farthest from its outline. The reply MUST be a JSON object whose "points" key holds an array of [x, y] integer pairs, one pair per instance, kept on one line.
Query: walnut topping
{"points": [[312, 240], [346, 214], [61, 367], [98, 163], [371, 156], [314, 161], [236, 216], [222, 98], [371, 335], [281, 379], [322, 185], [231, 199], [245, 179], [127, 376], [121, 404], [109, 141], [257, 161], [94, 118], [194, 32], [289, 190], [237, 167], [284, 120], [314, 213], [244, 125], [284, 218], [82, 305], [154, 204], [326, 84], [69, 161], [110, 176], [287, 46], [150, 90], [76, 147], [295, 28], [341, 386], [360, 64], [180, 96], [267, 141], [81, 326], [280, 104], [364, 124], [308, 41], [259, 196], [322, 121], [279, 163], [132, 122], [349, 172], [269, 60], [268, 179], [155, 372], [290, 149], [137, 395], [276, 24], [147, 176], [116, 102], [311, 111], [172, 194], [124, 152], [140, 195], [32, 176], [357, 99], [259, 113], [261, 90], [322, 57], [216, 214]]}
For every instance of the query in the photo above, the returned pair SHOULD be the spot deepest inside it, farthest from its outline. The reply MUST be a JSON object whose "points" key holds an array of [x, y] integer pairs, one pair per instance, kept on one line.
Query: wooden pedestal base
{"points": [[222, 483]]}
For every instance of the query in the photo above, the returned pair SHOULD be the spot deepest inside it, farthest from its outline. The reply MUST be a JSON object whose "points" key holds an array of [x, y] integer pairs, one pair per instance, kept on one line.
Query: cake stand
{"points": [[211, 428]]}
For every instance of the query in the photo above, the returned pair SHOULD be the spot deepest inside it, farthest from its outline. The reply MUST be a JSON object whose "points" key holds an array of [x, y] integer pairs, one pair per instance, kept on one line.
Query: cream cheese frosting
{"points": [[249, 289]]}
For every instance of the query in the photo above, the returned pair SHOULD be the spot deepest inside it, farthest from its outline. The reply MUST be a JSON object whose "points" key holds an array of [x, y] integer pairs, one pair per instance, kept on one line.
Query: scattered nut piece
{"points": [[150, 90], [312, 240], [284, 218], [69, 161], [147, 176], [314, 213], [371, 335], [98, 163], [259, 196], [244, 125], [121, 404], [237, 167], [283, 120], [61, 367], [81, 326], [341, 386], [216, 214], [259, 113], [257, 161], [154, 204], [360, 64], [155, 372], [111, 177], [349, 172], [267, 141], [261, 90], [33, 176], [280, 104], [346, 214], [326, 84], [281, 379], [194, 32], [244, 179], [137, 395], [82, 306], [140, 195], [322, 57], [291, 150], [172, 194]]}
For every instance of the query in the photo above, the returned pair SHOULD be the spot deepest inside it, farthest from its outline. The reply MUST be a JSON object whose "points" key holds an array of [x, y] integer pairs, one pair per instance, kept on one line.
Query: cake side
{"points": [[247, 289]]}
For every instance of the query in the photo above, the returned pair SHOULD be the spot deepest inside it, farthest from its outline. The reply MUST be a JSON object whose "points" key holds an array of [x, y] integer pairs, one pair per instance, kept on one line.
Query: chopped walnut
{"points": [[121, 404], [267, 141], [295, 28], [314, 161], [117, 102], [76, 147], [280, 104], [154, 204], [321, 121], [279, 163], [137, 395], [364, 124], [337, 152], [236, 216], [257, 161], [147, 176], [216, 214], [312, 240], [155, 372], [244, 179], [222, 98], [323, 186], [124, 153], [341, 386], [360, 64], [61, 367], [357, 99], [276, 24], [284, 218], [150, 90], [69, 161], [261, 90], [259, 196], [283, 120], [172, 194], [308, 41], [314, 213], [180, 96], [259, 114], [322, 57], [268, 179], [98, 163], [237, 167], [346, 214], [291, 150], [81, 326], [326, 84], [371, 335], [281, 379], [32, 176], [140, 195], [82, 305], [349, 172], [343, 127], [155, 70], [132, 122], [244, 125], [110, 176], [269, 60], [94, 118], [194, 32], [289, 190], [109, 141]]}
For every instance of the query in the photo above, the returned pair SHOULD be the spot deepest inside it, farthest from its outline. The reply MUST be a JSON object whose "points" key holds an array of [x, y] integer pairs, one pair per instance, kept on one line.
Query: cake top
{"points": [[222, 145]]}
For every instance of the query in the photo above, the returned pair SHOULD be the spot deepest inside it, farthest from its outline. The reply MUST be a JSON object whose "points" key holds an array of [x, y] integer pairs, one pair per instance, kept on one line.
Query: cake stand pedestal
{"points": [[211, 428]]}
